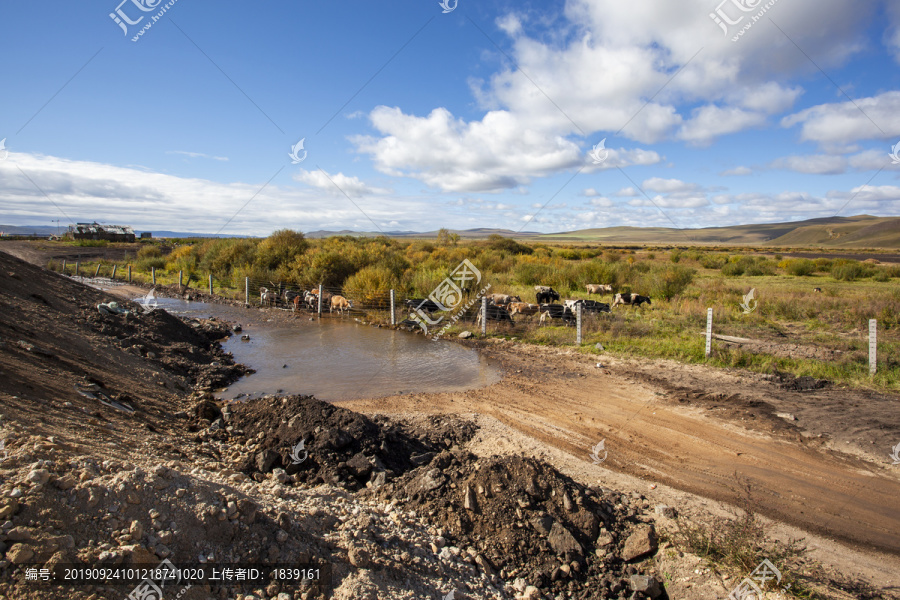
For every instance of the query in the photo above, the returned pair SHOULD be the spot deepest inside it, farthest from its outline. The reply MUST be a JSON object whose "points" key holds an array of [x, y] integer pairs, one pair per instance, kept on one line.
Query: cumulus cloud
{"points": [[876, 117], [818, 164], [87, 191], [337, 183], [737, 171], [668, 186]]}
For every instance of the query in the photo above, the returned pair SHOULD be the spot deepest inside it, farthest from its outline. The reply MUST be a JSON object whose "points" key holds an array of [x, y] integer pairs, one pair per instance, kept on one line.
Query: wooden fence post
{"points": [[153, 274], [129, 273], [180, 280], [578, 323], [97, 272], [115, 267], [708, 331], [64, 266], [484, 315], [393, 314], [210, 284], [873, 346], [320, 299], [246, 290], [76, 268]]}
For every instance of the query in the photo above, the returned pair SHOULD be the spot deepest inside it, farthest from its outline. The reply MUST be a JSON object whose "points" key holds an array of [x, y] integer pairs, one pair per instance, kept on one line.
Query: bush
{"points": [[498, 242], [800, 267], [675, 255], [280, 249], [91, 243], [847, 270], [733, 269], [666, 282], [713, 261]]}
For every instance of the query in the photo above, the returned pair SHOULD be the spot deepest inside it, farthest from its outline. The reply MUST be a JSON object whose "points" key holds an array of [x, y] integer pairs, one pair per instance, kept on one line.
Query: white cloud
{"points": [[602, 202], [88, 191], [876, 117], [197, 155], [709, 122], [669, 186], [818, 164], [627, 192], [337, 183], [737, 171], [590, 192]]}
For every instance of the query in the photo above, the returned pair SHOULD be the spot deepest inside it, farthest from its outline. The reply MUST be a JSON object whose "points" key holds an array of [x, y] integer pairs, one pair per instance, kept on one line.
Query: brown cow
{"points": [[598, 288], [523, 308], [502, 299], [340, 303]]}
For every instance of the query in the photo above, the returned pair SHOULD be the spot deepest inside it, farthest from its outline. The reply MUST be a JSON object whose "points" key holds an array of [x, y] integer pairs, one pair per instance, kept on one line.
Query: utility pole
{"points": [[57, 226]]}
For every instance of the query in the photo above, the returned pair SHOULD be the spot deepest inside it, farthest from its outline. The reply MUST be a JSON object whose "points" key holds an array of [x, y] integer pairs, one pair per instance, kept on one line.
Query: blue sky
{"points": [[415, 119]]}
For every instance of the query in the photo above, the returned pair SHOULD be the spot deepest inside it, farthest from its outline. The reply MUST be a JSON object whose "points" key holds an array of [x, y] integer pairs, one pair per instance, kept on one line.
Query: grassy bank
{"points": [[795, 328]]}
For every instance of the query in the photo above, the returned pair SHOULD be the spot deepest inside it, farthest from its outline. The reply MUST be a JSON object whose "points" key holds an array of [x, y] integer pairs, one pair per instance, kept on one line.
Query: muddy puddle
{"points": [[336, 358]]}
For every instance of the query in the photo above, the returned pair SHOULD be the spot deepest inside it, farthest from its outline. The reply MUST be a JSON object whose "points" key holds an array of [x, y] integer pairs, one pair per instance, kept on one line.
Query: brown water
{"points": [[339, 359]]}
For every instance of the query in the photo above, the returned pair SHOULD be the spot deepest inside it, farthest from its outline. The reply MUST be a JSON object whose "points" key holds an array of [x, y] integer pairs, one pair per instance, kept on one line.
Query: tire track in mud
{"points": [[654, 438]]}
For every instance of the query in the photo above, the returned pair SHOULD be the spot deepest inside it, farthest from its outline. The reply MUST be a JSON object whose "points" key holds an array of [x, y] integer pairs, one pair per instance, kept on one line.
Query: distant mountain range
{"points": [[861, 231]]}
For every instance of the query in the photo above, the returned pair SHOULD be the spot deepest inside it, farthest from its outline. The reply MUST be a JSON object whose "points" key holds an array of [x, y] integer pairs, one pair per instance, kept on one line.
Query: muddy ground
{"points": [[489, 493]]}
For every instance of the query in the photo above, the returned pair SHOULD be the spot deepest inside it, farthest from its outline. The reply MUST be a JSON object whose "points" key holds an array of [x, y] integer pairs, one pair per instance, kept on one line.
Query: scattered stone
{"points": [[39, 476], [469, 499], [645, 585], [359, 558], [562, 541], [640, 543], [19, 554], [668, 512], [466, 335]]}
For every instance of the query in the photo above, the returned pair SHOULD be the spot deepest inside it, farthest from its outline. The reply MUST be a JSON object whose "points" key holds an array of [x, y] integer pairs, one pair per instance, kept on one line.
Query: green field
{"points": [[830, 327]]}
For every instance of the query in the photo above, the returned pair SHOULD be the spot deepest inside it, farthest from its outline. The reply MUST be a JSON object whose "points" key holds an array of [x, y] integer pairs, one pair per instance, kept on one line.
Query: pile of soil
{"points": [[526, 521], [340, 447]]}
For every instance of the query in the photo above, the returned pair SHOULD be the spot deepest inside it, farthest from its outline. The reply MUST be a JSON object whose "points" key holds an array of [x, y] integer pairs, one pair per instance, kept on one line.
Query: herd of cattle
{"points": [[309, 299], [500, 307], [503, 307]]}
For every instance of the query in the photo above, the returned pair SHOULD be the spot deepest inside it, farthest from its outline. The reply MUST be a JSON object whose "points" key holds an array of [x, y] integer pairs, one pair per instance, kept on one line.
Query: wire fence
{"points": [[563, 321]]}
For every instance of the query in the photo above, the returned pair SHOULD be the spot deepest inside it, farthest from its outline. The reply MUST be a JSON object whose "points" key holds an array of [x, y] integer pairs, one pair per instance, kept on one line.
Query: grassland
{"points": [[794, 328]]}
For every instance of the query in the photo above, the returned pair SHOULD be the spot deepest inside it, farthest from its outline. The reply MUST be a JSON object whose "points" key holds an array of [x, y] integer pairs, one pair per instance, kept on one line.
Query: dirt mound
{"points": [[340, 447], [524, 519], [799, 384]]}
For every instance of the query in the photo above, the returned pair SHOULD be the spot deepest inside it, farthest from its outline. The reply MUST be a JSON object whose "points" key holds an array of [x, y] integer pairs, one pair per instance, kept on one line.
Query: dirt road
{"points": [[654, 431]]}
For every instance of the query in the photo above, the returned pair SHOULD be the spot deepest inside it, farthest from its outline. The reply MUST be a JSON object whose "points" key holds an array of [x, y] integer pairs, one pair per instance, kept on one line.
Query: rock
{"points": [[66, 482], [485, 565], [265, 460], [280, 475], [378, 479], [207, 409], [645, 585], [562, 541], [136, 530], [598, 346], [469, 499], [640, 543], [39, 476], [466, 335], [19, 554], [335, 439], [430, 480], [19, 534], [9, 508], [359, 558], [542, 525], [133, 498], [360, 465], [531, 593], [605, 539], [665, 511], [421, 459], [281, 536]]}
